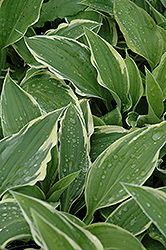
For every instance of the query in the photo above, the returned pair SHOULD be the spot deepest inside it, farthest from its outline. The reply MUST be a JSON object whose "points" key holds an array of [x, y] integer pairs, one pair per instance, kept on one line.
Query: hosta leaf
{"points": [[22, 50], [136, 87], [132, 158], [114, 237], [67, 59], [17, 107], [85, 107], [15, 18], [108, 31], [152, 202], [24, 155], [73, 154], [78, 234], [48, 91], [131, 119], [103, 137], [111, 68], [58, 188], [12, 223], [155, 234], [159, 74], [51, 236], [157, 15], [113, 117], [164, 3], [154, 97], [89, 14], [106, 6], [74, 29], [130, 217], [139, 30], [53, 9], [52, 170]]}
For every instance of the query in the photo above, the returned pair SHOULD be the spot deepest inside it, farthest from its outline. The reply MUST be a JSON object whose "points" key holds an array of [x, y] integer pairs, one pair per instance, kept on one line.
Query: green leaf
{"points": [[154, 97], [136, 87], [85, 107], [20, 15], [129, 216], [58, 188], [51, 236], [131, 119], [51, 171], [61, 9], [163, 2], [73, 154], [103, 137], [106, 6], [108, 31], [139, 30], [155, 234], [152, 202], [113, 117], [12, 223], [82, 237], [33, 191], [111, 68], [157, 15], [159, 75], [49, 92], [17, 107], [70, 60], [132, 158], [24, 155], [74, 29], [114, 237]]}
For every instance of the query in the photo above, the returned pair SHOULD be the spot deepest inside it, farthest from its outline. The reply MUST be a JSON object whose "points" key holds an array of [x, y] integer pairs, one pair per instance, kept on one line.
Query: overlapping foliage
{"points": [[83, 128]]}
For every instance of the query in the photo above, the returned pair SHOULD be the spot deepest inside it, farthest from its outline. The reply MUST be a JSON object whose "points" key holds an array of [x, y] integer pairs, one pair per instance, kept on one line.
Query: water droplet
{"points": [[148, 204], [95, 198], [157, 136], [115, 157]]}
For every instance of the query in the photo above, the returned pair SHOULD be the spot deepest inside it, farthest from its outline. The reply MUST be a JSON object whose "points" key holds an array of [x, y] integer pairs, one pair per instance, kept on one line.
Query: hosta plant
{"points": [[83, 128]]}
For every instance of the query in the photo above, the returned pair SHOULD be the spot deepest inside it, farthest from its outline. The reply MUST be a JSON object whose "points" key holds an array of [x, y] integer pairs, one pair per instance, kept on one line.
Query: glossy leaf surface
{"points": [[130, 159], [36, 139], [69, 60], [17, 107], [111, 68], [152, 203], [73, 142], [15, 18], [139, 30]]}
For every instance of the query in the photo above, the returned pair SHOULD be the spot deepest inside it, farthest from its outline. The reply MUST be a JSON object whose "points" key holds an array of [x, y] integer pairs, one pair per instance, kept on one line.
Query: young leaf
{"points": [[20, 15], [85, 107], [58, 188], [114, 237], [159, 75], [24, 155], [111, 68], [67, 59], [139, 30], [82, 237], [131, 158], [73, 154], [129, 216], [152, 202], [12, 223], [17, 107], [154, 97], [49, 92], [136, 87]]}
